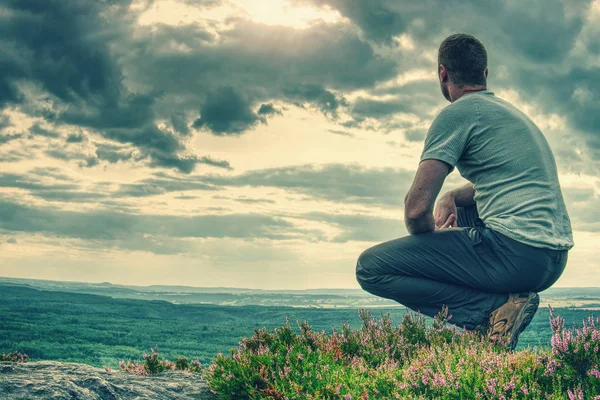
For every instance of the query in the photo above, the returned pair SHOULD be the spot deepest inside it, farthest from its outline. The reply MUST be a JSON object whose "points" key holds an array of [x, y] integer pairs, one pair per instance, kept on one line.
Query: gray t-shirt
{"points": [[507, 158]]}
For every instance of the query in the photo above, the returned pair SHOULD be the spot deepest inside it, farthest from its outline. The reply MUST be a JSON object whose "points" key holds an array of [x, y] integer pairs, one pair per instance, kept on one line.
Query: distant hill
{"points": [[584, 298]]}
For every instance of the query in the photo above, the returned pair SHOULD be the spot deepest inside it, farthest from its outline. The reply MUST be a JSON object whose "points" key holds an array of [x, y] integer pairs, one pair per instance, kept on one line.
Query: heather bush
{"points": [[381, 360], [154, 364], [14, 356]]}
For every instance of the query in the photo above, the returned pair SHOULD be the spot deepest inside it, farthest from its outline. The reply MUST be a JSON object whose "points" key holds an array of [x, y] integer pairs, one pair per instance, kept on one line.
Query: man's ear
{"points": [[442, 72]]}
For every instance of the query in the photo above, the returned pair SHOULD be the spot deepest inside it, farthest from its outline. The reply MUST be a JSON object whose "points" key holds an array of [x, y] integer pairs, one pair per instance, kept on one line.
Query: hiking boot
{"points": [[511, 318]]}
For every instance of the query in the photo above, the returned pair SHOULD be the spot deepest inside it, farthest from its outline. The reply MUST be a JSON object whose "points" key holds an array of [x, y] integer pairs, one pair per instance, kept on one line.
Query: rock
{"points": [[58, 380]]}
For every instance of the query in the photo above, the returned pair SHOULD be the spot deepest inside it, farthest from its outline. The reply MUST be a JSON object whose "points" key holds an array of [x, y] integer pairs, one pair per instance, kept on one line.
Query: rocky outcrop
{"points": [[58, 380]]}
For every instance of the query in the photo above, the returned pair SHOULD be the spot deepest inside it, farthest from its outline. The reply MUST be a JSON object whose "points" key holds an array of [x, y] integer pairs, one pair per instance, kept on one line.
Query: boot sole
{"points": [[524, 318]]}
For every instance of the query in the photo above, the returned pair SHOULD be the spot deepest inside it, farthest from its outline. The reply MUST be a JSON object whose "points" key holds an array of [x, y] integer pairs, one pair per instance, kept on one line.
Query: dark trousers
{"points": [[471, 269]]}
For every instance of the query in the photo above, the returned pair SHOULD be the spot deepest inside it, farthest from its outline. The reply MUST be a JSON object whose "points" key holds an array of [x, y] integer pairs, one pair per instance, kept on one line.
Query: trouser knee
{"points": [[366, 271]]}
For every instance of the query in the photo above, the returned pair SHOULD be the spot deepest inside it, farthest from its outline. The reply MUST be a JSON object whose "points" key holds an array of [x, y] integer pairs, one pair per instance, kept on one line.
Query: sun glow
{"points": [[281, 12], [269, 12]]}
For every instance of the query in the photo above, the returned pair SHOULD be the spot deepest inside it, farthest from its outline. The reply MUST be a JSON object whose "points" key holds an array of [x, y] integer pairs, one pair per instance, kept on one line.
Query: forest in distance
{"points": [[100, 330]]}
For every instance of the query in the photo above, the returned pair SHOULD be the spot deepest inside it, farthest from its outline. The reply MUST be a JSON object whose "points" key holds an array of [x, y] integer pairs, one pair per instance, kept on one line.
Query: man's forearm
{"points": [[464, 195]]}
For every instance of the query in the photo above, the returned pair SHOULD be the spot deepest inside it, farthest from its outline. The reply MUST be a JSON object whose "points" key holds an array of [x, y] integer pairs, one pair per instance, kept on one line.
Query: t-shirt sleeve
{"points": [[448, 135]]}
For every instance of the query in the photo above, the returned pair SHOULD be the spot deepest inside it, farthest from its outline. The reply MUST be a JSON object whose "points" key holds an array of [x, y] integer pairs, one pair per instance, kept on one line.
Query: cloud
{"points": [[268, 109], [5, 138], [112, 154], [163, 184], [75, 138], [12, 241], [37, 130], [338, 132], [65, 51], [226, 111], [5, 122], [52, 172], [347, 183], [360, 227], [65, 191], [249, 65], [123, 230]]}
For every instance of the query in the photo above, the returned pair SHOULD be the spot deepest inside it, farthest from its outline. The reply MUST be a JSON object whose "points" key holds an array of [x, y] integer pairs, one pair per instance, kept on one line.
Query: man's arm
{"points": [[464, 195], [419, 201]]}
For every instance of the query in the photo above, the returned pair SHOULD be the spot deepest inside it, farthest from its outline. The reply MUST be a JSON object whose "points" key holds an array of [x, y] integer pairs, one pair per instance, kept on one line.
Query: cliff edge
{"points": [[58, 380]]}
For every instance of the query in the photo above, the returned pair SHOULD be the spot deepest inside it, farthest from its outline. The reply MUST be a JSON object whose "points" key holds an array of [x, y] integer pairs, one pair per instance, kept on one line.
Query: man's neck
{"points": [[459, 92]]}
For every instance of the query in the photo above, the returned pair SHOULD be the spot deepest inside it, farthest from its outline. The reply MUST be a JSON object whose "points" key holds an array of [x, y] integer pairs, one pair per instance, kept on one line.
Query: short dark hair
{"points": [[465, 58]]}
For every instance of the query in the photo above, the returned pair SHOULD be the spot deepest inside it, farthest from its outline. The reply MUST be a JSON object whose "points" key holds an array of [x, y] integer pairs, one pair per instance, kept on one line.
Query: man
{"points": [[493, 243]]}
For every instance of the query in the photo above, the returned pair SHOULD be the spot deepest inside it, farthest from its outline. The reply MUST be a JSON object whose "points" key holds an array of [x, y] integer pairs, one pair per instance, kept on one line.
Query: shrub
{"points": [[153, 364], [408, 361], [14, 357]]}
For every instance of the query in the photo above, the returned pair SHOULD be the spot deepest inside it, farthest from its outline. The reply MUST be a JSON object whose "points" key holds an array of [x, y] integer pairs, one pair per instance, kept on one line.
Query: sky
{"points": [[261, 143]]}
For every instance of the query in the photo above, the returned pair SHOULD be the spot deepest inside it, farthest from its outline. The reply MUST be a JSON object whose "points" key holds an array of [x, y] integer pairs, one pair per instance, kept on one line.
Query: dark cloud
{"points": [[379, 20], [231, 76], [12, 241], [83, 160], [63, 192], [37, 130], [179, 123], [5, 122], [164, 184], [75, 138], [5, 138], [112, 154], [226, 112], [268, 109], [325, 100], [12, 180], [187, 164], [343, 133], [65, 49], [215, 163]]}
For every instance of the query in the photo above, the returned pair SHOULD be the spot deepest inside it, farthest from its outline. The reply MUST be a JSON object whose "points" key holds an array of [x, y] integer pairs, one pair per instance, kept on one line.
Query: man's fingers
{"points": [[449, 221]]}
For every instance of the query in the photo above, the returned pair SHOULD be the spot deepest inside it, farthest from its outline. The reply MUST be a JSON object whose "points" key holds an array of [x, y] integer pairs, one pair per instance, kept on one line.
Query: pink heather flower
{"points": [[576, 395], [299, 356], [337, 389], [491, 385], [348, 396], [595, 373]]}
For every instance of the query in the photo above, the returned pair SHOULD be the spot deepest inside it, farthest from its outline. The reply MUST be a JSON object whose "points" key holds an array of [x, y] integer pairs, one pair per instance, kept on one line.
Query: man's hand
{"points": [[449, 223], [445, 214]]}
